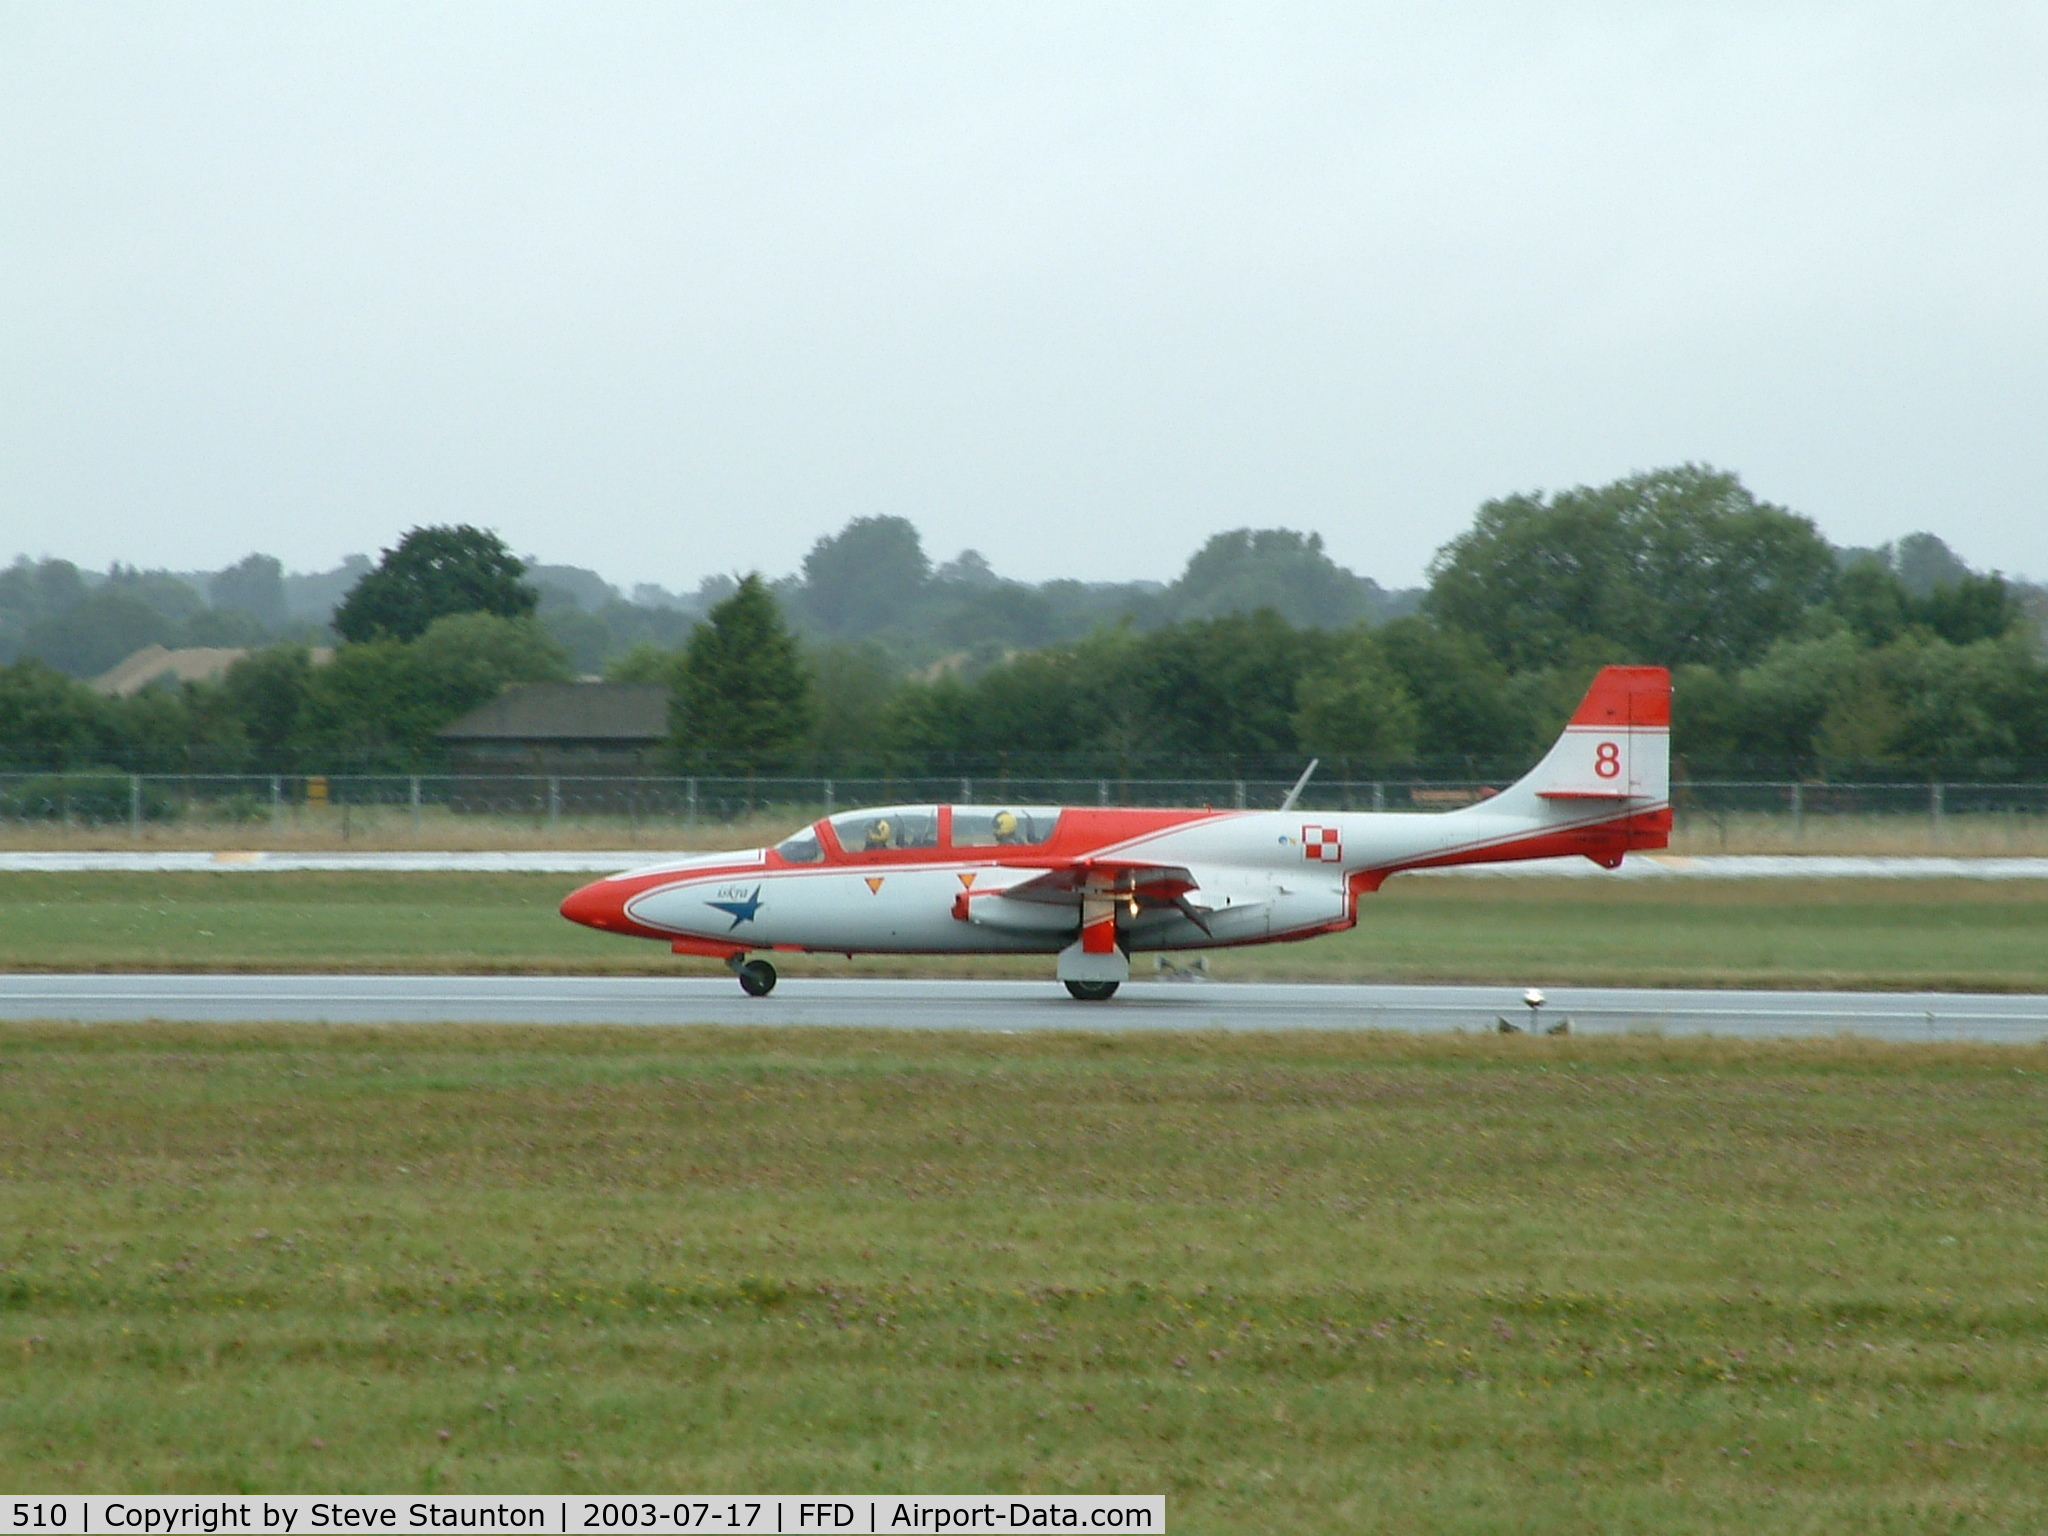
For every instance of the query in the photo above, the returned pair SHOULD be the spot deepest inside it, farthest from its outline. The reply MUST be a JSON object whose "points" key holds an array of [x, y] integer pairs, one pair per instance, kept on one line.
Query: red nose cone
{"points": [[595, 907]]}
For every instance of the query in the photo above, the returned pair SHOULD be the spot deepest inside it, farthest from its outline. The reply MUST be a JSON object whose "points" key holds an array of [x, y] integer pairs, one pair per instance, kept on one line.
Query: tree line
{"points": [[871, 581], [1792, 658]]}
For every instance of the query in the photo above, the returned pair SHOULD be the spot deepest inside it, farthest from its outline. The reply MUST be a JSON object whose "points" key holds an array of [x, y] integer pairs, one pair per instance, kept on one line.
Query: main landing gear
{"points": [[1093, 991], [1093, 977], [757, 977]]}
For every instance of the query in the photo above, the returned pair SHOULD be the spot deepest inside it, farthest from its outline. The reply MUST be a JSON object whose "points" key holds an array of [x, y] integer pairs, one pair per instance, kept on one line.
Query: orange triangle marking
{"points": [[875, 883], [967, 881]]}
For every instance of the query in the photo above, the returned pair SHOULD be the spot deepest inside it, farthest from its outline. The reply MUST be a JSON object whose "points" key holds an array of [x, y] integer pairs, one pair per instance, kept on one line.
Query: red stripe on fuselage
{"points": [[1081, 831]]}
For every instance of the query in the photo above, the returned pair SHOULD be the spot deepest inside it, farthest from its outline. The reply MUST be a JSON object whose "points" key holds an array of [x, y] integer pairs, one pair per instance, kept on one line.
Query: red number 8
{"points": [[1607, 760]]}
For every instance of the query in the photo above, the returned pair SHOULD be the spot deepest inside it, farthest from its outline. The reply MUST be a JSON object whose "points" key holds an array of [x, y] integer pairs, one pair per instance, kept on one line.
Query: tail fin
{"points": [[1609, 775], [1602, 789], [1617, 744]]}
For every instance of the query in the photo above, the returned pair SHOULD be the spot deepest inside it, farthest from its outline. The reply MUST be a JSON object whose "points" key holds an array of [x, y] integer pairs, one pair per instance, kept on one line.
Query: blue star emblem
{"points": [[742, 911]]}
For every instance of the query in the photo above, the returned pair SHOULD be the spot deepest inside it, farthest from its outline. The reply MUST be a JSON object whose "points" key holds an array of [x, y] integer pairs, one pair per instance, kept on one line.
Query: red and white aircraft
{"points": [[1093, 885]]}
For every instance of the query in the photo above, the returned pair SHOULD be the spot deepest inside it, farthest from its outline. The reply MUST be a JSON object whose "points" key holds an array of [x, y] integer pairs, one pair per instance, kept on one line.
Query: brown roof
{"points": [[195, 664], [620, 712]]}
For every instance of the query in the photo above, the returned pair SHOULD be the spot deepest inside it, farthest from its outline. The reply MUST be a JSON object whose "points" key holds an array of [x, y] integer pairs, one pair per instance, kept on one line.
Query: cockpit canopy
{"points": [[985, 826], [893, 826], [887, 829]]}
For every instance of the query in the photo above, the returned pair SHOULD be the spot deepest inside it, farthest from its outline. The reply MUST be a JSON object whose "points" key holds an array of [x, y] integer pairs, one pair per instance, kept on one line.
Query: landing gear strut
{"points": [[757, 977], [1093, 991]]}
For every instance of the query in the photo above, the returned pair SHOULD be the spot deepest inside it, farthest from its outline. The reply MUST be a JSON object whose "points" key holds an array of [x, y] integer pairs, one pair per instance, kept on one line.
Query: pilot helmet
{"points": [[878, 831], [1006, 823]]}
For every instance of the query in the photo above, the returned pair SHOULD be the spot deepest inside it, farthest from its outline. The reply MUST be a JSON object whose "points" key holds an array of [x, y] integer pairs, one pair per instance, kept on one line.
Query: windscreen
{"points": [[802, 847]]}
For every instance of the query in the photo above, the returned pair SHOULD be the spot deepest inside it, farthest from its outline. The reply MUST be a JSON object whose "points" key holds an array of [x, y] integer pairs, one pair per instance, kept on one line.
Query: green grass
{"points": [[1967, 934], [1298, 1284]]}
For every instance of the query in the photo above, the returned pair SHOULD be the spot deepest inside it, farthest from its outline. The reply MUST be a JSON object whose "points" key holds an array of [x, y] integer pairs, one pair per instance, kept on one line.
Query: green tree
{"points": [[1247, 569], [31, 592], [101, 628], [267, 691], [1676, 566], [170, 595], [359, 712], [466, 659], [434, 572], [1082, 704], [1872, 601], [1706, 721], [1925, 562], [744, 704], [929, 724], [1353, 706], [865, 578], [378, 703], [1464, 713], [184, 727], [1226, 687], [48, 720], [253, 585], [646, 662], [1877, 601], [1969, 609], [1785, 699], [854, 691], [1979, 709]]}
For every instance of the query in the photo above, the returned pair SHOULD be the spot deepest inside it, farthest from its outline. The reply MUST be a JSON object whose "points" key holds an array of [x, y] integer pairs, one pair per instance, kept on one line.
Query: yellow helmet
{"points": [[878, 831], [1005, 823]]}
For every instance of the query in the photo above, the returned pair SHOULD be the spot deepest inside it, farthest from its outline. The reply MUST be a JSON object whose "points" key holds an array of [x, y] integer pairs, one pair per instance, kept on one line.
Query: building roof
{"points": [[192, 664], [621, 712], [154, 663]]}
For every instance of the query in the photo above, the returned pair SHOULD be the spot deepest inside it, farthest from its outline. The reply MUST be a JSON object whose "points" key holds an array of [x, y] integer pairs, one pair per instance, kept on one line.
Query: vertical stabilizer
{"points": [[1617, 745], [1603, 788]]}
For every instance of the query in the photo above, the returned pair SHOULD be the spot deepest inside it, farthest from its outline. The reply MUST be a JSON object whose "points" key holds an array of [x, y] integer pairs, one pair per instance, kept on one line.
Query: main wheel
{"points": [[1093, 991], [757, 978]]}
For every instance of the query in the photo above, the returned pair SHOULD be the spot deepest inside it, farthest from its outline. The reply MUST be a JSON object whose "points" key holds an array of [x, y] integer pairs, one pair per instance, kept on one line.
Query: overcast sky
{"points": [[671, 290]]}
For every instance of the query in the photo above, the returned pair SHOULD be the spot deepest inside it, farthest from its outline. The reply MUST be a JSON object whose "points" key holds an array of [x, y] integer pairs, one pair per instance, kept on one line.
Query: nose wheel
{"points": [[1093, 991], [757, 977]]}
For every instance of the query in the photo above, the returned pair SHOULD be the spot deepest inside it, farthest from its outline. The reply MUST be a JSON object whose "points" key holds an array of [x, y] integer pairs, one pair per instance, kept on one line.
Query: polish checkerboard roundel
{"points": [[1322, 843]]}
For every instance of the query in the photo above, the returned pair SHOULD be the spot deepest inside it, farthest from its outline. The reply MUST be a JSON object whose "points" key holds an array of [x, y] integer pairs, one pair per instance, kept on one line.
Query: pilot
{"points": [[878, 836], [1006, 826]]}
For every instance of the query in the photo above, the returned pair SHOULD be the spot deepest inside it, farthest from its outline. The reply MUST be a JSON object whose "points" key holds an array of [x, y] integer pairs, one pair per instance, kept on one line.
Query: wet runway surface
{"points": [[1010, 1005]]}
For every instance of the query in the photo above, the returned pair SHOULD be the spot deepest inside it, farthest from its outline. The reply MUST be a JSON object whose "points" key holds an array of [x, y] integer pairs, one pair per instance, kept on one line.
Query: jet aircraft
{"points": [[1094, 885]]}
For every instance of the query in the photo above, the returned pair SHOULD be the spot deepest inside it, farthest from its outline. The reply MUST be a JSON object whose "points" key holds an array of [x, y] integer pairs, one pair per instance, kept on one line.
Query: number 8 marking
{"points": [[1607, 760]]}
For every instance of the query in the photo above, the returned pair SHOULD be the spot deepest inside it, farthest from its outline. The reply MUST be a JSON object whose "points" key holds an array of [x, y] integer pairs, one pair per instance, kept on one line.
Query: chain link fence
{"points": [[139, 801]]}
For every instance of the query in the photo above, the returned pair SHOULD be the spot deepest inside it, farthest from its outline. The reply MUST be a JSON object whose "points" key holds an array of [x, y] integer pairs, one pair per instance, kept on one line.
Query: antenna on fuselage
{"points": [[1300, 784]]}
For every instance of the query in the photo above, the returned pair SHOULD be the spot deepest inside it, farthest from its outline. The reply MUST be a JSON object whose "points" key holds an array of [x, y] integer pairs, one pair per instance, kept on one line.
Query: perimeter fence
{"points": [[142, 800]]}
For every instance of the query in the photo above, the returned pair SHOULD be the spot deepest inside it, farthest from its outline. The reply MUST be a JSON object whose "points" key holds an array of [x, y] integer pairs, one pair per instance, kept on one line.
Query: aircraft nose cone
{"points": [[594, 907]]}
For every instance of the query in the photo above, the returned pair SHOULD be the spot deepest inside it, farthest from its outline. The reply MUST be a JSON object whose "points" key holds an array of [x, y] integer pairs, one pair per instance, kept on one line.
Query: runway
{"points": [[1010, 1006]]}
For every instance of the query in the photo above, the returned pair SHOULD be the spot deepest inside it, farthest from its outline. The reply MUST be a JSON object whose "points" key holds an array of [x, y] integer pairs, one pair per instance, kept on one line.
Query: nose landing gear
{"points": [[757, 977], [1093, 991]]}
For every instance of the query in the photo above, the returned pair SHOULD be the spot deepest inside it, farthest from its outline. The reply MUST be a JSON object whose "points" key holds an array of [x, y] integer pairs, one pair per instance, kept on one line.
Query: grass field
{"points": [[1962, 934], [1298, 1284]]}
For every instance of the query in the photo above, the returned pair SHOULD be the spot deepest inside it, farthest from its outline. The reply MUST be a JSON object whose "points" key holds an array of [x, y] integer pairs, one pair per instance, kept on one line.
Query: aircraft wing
{"points": [[1120, 878], [1072, 883]]}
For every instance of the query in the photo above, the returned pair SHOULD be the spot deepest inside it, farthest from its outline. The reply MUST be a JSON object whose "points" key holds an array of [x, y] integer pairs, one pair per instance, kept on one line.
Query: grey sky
{"points": [[669, 290]]}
